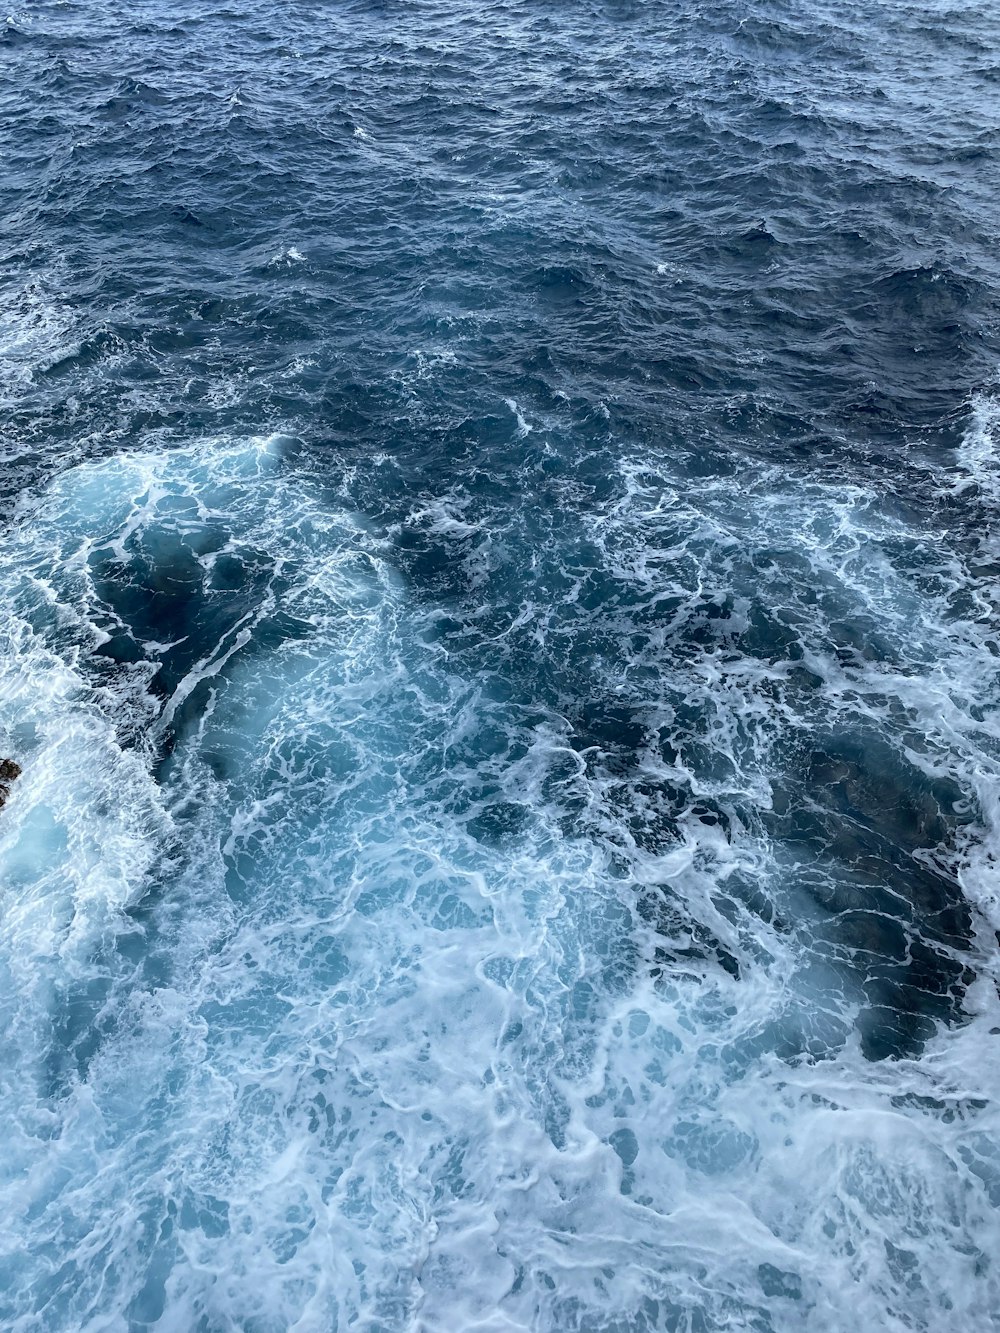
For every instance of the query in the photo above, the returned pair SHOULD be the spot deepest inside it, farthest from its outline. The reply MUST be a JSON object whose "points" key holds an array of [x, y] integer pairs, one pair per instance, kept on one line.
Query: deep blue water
{"points": [[499, 585]]}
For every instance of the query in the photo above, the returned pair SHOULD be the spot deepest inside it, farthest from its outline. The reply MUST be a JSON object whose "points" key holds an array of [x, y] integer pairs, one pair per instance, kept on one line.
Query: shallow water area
{"points": [[498, 603]]}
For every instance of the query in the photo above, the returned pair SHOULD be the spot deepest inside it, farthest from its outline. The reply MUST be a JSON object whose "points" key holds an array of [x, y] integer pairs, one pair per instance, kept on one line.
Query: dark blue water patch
{"points": [[279, 183]]}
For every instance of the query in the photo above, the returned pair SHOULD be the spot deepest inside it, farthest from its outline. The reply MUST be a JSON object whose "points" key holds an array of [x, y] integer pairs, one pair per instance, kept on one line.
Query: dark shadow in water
{"points": [[866, 830]]}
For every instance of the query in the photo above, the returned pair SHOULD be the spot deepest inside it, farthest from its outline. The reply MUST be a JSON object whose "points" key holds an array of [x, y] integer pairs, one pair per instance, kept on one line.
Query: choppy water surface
{"points": [[499, 623]]}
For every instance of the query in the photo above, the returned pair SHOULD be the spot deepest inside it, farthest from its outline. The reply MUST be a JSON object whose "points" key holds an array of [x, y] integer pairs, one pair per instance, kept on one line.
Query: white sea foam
{"points": [[286, 257], [339, 1056], [524, 428], [37, 329], [978, 457]]}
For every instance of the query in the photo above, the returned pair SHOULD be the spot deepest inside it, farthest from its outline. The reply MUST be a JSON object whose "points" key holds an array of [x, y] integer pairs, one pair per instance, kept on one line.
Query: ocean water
{"points": [[499, 580]]}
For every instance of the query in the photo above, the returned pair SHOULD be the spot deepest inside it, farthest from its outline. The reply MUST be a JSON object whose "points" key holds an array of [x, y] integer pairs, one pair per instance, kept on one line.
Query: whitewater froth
{"points": [[351, 1044]]}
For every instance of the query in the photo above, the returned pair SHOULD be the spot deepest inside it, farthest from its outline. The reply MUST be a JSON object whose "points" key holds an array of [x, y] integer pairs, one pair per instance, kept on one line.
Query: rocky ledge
{"points": [[10, 770]]}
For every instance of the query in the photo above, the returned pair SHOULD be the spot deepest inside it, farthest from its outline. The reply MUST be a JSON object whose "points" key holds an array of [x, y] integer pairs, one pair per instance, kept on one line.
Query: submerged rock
{"points": [[9, 771]]}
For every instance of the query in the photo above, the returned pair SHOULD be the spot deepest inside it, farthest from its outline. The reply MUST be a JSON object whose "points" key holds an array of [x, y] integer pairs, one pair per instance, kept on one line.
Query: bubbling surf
{"points": [[324, 1011]]}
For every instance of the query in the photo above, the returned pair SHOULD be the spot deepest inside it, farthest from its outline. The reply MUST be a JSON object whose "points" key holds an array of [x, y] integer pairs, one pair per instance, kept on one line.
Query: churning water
{"points": [[498, 608]]}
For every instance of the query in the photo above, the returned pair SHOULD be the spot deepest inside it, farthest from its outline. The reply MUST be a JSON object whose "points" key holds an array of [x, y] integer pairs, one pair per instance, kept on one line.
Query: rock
{"points": [[9, 770]]}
